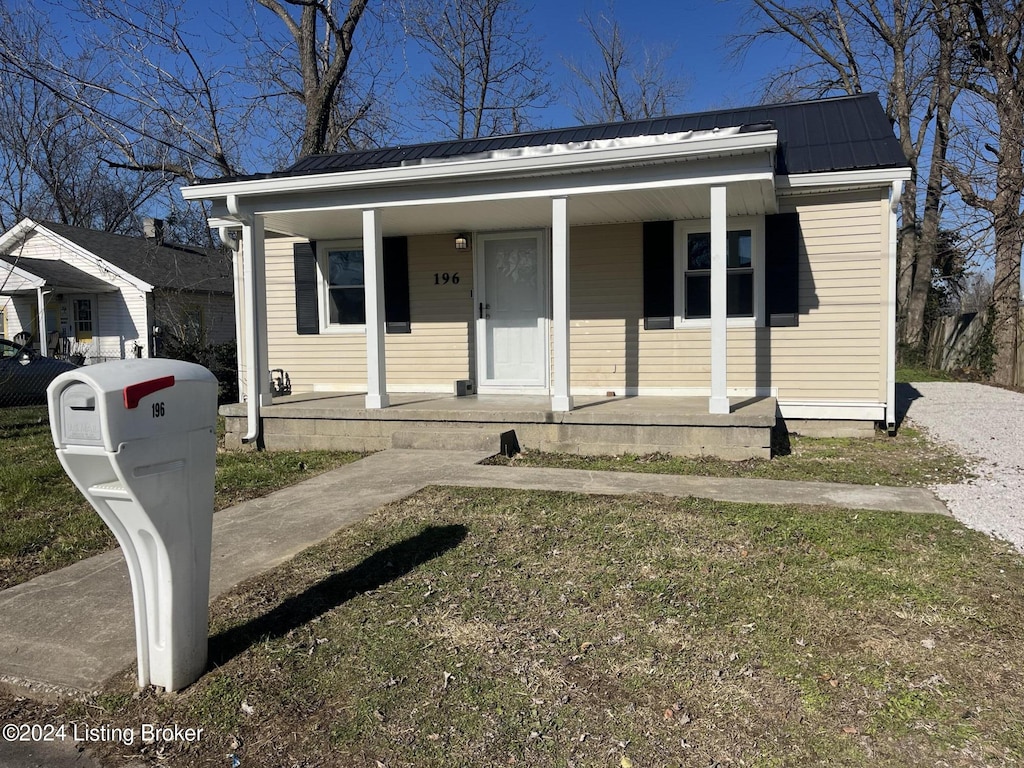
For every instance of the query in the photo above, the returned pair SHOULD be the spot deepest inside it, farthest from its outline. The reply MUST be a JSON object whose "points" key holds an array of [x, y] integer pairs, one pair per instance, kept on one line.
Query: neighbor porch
{"points": [[680, 426]]}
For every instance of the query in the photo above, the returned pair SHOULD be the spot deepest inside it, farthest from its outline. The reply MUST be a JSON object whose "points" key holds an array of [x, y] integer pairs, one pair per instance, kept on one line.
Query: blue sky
{"points": [[696, 30]]}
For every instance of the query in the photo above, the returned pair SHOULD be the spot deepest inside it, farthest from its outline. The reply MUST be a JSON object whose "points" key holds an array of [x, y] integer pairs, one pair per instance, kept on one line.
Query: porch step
{"points": [[447, 439]]}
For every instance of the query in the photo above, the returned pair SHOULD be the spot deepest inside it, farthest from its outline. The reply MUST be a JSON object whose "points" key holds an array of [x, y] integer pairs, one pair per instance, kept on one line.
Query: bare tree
{"points": [[629, 80], [324, 42], [994, 179], [906, 49], [486, 74], [168, 98], [50, 167]]}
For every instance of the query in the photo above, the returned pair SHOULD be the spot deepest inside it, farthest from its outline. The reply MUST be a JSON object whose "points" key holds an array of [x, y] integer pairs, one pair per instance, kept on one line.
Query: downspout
{"points": [[890, 405], [238, 294], [252, 393]]}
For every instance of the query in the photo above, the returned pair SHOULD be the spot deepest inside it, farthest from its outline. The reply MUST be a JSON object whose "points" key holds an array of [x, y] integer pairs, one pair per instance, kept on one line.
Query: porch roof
{"points": [[53, 274]]}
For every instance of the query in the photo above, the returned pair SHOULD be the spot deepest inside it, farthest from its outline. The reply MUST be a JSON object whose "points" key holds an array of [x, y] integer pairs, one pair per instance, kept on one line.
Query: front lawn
{"points": [[909, 458], [45, 523], [465, 627]]}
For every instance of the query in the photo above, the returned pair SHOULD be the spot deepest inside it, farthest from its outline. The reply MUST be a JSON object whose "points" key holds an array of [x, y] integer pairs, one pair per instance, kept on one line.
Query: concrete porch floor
{"points": [[597, 425]]}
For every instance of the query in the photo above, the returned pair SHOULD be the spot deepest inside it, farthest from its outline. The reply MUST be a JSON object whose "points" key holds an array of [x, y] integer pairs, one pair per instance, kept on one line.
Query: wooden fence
{"points": [[954, 338]]}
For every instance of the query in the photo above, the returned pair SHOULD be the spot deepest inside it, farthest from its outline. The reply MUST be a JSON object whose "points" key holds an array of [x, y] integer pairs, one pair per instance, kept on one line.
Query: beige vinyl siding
{"points": [[438, 351], [835, 354]]}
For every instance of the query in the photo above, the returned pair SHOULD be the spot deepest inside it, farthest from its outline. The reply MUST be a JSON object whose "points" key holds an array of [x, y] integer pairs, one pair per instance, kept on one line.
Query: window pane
{"points": [[698, 250], [345, 268], [347, 306], [698, 296], [739, 289], [739, 249]]}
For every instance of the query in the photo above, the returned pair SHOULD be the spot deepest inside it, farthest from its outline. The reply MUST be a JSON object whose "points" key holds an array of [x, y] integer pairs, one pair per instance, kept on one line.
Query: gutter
{"points": [[567, 158]]}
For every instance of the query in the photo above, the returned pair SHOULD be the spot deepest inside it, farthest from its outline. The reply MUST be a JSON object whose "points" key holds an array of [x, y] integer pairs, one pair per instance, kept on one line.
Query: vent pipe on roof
{"points": [[153, 229]]}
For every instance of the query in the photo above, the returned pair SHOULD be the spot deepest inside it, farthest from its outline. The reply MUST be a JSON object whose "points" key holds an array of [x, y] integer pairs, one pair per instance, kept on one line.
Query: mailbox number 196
{"points": [[158, 410]]}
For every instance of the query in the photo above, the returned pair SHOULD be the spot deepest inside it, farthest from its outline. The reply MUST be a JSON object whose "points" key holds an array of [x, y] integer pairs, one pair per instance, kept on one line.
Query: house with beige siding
{"points": [[96, 296], [706, 271]]}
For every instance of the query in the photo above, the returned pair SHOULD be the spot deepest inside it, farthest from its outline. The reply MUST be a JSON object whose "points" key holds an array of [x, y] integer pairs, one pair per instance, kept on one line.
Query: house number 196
{"points": [[158, 410], [444, 278]]}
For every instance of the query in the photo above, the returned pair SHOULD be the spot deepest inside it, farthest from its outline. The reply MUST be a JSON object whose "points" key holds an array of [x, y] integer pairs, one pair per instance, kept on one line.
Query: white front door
{"points": [[512, 326]]}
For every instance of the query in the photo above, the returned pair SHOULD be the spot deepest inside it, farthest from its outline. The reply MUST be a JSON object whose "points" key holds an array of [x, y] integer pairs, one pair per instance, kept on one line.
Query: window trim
{"points": [[686, 227], [323, 249]]}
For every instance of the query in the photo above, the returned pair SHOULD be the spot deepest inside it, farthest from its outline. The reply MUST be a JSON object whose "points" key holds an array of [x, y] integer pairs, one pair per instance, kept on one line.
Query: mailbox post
{"points": [[138, 439]]}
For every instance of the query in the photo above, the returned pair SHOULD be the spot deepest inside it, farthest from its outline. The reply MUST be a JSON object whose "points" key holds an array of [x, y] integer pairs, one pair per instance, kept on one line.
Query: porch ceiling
{"points": [[654, 204]]}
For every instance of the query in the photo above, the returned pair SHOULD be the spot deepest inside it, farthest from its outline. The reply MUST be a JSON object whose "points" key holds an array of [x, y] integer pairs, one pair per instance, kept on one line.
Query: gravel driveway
{"points": [[986, 423]]}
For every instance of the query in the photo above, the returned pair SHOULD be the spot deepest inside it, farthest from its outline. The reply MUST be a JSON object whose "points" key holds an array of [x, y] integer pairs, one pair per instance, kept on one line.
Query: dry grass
{"points": [[495, 628]]}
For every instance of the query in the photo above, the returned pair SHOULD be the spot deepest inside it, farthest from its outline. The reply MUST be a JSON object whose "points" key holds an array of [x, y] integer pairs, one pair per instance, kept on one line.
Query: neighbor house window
{"points": [[344, 290], [744, 248]]}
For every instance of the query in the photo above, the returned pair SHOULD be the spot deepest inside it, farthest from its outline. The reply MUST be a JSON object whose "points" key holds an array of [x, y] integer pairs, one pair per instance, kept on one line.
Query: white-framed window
{"points": [[744, 275], [342, 287]]}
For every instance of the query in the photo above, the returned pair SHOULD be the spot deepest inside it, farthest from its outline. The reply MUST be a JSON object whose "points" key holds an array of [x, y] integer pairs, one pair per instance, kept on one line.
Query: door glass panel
{"points": [[514, 296]]}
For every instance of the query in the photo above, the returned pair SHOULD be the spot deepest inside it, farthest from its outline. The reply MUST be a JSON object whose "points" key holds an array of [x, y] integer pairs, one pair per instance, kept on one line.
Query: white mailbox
{"points": [[138, 438]]}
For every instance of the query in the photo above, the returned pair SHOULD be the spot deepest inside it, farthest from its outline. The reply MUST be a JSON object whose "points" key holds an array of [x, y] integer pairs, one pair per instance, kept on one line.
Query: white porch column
{"points": [[561, 400], [719, 402], [373, 279], [41, 309]]}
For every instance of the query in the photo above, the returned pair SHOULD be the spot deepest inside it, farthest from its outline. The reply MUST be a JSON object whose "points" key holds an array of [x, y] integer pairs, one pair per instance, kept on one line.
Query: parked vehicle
{"points": [[25, 374]]}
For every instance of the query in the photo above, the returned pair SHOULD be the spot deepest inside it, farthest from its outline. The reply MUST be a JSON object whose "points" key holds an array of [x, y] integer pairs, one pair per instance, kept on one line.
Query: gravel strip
{"points": [[987, 424]]}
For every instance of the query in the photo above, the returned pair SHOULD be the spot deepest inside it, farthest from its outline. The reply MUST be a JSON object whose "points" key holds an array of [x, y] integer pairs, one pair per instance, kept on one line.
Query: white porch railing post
{"points": [[259, 288], [41, 309], [373, 278], [561, 400], [719, 402]]}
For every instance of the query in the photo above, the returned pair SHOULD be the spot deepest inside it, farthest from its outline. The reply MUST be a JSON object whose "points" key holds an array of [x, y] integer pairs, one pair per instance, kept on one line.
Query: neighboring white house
{"points": [[731, 254], [102, 296]]}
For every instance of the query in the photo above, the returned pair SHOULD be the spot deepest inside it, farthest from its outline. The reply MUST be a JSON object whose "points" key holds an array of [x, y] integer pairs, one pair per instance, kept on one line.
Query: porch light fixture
{"points": [[461, 242]]}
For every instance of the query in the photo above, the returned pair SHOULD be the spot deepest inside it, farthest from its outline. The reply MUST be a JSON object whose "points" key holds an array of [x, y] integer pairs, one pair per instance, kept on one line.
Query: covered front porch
{"points": [[680, 426]]}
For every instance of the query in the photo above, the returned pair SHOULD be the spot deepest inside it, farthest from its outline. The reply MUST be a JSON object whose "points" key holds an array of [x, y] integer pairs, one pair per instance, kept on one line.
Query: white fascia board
{"points": [[460, 193], [840, 180], [26, 280], [482, 168], [12, 236]]}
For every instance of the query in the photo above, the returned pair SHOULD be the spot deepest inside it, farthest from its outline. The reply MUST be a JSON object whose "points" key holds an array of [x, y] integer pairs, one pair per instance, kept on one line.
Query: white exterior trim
{"points": [[566, 161], [817, 182], [826, 410], [890, 310]]}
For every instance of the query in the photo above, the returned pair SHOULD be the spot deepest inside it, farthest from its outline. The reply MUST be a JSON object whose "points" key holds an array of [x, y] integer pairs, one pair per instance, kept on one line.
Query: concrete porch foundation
{"points": [[679, 426]]}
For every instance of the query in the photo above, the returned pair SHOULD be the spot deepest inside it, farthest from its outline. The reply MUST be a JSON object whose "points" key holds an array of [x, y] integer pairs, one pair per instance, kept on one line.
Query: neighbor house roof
{"points": [[59, 274], [838, 134], [162, 265]]}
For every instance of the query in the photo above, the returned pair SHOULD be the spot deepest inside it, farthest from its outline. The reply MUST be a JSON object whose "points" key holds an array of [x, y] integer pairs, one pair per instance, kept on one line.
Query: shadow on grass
{"points": [[373, 572]]}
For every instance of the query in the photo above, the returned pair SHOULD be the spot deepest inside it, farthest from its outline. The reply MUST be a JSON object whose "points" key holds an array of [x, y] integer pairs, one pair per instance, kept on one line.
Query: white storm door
{"points": [[512, 326]]}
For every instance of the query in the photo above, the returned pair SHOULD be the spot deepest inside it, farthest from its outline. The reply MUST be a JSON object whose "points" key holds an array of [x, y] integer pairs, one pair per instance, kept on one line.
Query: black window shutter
{"points": [[659, 285], [307, 310], [396, 285], [782, 268]]}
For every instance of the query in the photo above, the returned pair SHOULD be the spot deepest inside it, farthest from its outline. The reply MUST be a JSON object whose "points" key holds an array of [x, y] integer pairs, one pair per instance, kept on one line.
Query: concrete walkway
{"points": [[68, 631]]}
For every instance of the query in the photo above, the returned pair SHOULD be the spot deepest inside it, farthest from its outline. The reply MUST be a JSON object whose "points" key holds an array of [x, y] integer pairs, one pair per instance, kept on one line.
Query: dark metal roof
{"points": [[162, 265], [838, 134], [59, 274]]}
